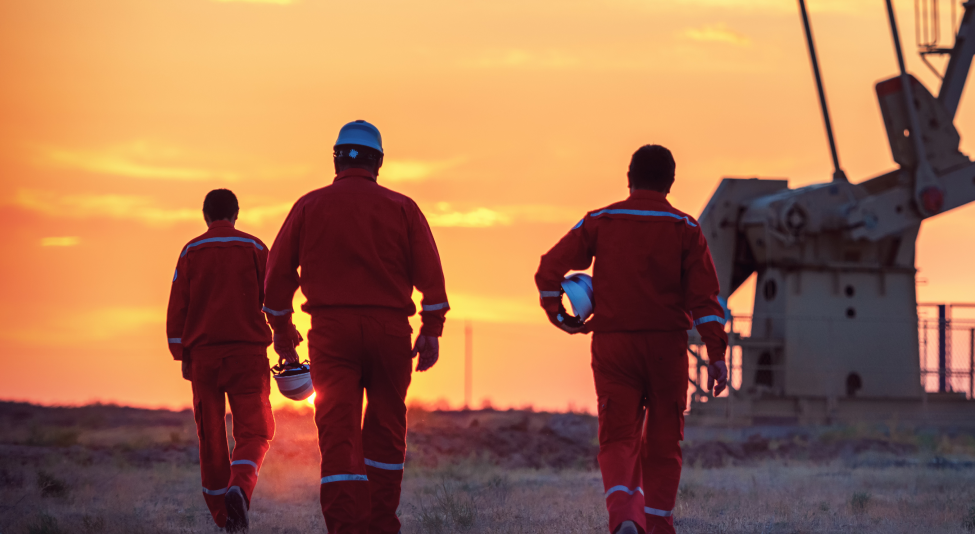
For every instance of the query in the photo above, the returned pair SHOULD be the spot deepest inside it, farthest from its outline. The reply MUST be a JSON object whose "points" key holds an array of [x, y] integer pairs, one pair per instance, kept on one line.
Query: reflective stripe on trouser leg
{"points": [[335, 345], [248, 387], [662, 459], [211, 428], [659, 513], [619, 392], [384, 425]]}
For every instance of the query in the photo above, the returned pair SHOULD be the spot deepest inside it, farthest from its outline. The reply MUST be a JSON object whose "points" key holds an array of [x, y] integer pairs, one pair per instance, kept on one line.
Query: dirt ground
{"points": [[113, 469]]}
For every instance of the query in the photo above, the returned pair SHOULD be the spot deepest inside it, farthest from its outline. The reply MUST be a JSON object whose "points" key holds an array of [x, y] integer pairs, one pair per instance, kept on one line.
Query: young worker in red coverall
{"points": [[652, 282], [215, 326], [362, 249]]}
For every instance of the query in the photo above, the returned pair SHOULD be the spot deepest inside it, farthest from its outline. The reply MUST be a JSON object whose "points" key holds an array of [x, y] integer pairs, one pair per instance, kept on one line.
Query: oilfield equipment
{"points": [[835, 335]]}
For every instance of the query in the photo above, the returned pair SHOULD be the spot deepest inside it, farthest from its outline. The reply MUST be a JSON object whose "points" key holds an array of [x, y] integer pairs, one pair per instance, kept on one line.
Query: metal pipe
{"points": [[908, 91], [959, 63], [838, 174], [971, 363], [468, 363], [942, 348]]}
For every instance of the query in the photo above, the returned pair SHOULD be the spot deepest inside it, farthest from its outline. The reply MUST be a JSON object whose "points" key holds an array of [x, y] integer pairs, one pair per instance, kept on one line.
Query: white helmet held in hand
{"points": [[294, 380], [578, 287]]}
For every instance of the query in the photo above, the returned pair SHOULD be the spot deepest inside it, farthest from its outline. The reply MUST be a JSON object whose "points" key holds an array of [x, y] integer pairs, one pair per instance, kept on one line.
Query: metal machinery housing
{"points": [[834, 331]]}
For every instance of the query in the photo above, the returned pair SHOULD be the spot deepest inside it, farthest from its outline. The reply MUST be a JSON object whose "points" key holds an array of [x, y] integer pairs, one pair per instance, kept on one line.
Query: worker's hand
{"points": [[717, 377], [428, 347], [571, 329], [187, 365], [285, 343]]}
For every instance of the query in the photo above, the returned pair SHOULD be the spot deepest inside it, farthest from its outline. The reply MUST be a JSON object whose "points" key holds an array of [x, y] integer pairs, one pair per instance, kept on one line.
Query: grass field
{"points": [[109, 469]]}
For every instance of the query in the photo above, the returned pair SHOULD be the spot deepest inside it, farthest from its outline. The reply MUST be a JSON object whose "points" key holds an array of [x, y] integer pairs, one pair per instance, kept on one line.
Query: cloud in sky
{"points": [[819, 6], [717, 33], [399, 171], [72, 327], [66, 241], [126, 207], [144, 209], [129, 207], [445, 215], [144, 160], [272, 2]]}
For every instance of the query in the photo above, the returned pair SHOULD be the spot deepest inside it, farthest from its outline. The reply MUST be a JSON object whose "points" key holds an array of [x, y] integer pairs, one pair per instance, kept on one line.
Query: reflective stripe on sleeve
{"points": [[435, 307], [709, 319], [629, 491], [579, 224], [388, 467], [221, 240], [654, 511], [176, 340], [215, 492], [341, 478], [546, 294], [244, 462], [276, 313]]}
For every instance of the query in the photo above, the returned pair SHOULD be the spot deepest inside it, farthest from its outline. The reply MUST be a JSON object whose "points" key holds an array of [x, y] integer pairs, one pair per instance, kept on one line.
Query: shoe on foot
{"points": [[236, 505], [627, 527]]}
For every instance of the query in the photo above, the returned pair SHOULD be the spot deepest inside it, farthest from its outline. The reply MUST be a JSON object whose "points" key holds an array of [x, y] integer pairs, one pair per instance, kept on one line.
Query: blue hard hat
{"points": [[360, 133], [578, 287]]}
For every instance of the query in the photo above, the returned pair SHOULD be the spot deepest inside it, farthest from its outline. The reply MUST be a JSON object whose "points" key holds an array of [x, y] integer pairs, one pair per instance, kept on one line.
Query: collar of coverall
{"points": [[355, 173], [652, 195], [222, 223]]}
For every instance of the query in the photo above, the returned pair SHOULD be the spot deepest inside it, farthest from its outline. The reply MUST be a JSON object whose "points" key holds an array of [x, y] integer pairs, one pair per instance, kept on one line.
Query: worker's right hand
{"points": [[428, 347], [717, 377], [285, 343], [187, 367]]}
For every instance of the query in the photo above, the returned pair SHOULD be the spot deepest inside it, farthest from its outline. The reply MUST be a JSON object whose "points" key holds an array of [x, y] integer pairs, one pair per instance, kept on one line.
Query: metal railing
{"points": [[946, 348]]}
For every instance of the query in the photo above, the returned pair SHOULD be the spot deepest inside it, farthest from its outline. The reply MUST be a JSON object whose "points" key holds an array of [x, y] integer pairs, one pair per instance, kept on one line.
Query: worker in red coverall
{"points": [[362, 249], [653, 281], [215, 326]]}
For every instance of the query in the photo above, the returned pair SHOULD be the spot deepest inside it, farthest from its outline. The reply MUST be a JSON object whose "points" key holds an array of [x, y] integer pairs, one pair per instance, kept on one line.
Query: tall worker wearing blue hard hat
{"points": [[653, 280], [361, 249]]}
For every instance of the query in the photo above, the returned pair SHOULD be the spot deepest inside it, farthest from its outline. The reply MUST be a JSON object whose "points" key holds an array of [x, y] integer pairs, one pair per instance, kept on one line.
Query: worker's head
{"points": [[220, 205], [359, 146], [357, 157], [652, 167]]}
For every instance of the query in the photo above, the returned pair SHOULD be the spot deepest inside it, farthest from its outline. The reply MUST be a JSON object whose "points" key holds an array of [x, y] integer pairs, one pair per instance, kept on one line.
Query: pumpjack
{"points": [[834, 329]]}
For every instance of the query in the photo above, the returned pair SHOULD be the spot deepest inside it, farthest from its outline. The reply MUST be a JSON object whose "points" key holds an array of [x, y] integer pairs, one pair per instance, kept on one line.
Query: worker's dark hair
{"points": [[220, 204], [652, 167], [357, 156]]}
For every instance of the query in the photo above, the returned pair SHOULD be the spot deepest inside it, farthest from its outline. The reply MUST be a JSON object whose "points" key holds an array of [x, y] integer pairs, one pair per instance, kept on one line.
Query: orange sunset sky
{"points": [[506, 120]]}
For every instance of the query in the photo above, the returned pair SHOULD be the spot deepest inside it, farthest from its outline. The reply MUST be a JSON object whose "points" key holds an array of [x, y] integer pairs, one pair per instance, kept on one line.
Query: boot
{"points": [[236, 505]]}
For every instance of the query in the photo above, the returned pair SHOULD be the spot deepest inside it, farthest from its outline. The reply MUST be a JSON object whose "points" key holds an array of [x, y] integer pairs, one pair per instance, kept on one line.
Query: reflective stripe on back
{"points": [[388, 467], [176, 340], [642, 213], [342, 478], [221, 240], [709, 319], [654, 511]]}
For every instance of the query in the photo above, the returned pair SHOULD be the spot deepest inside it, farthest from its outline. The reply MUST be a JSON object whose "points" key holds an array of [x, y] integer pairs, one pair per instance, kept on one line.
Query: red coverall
{"points": [[361, 248], [653, 280], [215, 319]]}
